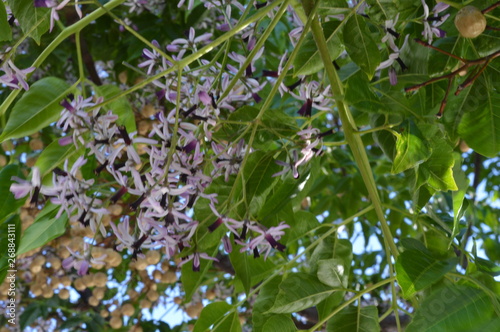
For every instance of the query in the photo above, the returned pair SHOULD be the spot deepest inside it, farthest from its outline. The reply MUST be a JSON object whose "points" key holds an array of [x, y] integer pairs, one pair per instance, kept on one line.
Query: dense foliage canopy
{"points": [[250, 165]]}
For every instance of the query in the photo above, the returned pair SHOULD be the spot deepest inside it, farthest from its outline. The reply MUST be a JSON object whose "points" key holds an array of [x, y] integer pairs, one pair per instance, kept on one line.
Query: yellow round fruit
{"points": [[194, 310], [153, 257], [100, 279], [470, 22], [115, 322], [127, 310], [145, 304], [93, 301]]}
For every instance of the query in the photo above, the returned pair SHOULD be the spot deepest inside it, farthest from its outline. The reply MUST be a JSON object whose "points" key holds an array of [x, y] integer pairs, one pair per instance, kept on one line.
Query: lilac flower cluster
{"points": [[159, 195], [161, 174]]}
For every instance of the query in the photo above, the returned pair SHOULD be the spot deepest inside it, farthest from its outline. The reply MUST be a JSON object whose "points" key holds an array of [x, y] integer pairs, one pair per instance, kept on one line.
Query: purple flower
{"points": [[80, 261], [54, 16], [152, 58], [228, 158], [287, 166], [127, 142], [231, 224], [227, 244], [23, 187], [45, 3], [14, 76], [393, 78], [196, 260], [267, 239], [391, 35], [431, 30], [181, 45]]}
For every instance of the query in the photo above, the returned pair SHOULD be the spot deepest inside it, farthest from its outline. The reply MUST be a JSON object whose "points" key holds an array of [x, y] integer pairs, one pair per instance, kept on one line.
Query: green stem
{"points": [[359, 153], [350, 132], [373, 130], [80, 60]]}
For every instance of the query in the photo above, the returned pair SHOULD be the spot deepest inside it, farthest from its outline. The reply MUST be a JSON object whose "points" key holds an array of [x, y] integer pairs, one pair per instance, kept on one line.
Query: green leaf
{"points": [[411, 148], [481, 129], [282, 194], [45, 228], [437, 171], [385, 139], [6, 241], [330, 247], [53, 156], [359, 319], [210, 315], [280, 323], [30, 17], [487, 266], [326, 306], [8, 203], [460, 203], [360, 45], [230, 322], [120, 106], [74, 321], [239, 260], [5, 30], [334, 271], [452, 308], [37, 108], [332, 7], [303, 222], [484, 264], [257, 174], [308, 60], [299, 291], [418, 269], [359, 94]]}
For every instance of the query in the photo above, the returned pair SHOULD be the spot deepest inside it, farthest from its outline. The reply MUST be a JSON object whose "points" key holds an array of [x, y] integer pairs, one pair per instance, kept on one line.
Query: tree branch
{"points": [[483, 62]]}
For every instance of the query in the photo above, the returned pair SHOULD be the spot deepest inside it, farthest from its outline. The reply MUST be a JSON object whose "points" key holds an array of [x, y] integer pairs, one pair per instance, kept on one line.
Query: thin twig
{"points": [[445, 98], [423, 43], [484, 62], [490, 8]]}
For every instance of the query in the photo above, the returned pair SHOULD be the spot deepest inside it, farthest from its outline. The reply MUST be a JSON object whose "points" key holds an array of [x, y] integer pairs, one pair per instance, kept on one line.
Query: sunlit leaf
{"points": [[37, 108], [418, 269], [411, 148], [452, 308], [46, 227], [211, 314], [299, 291]]}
